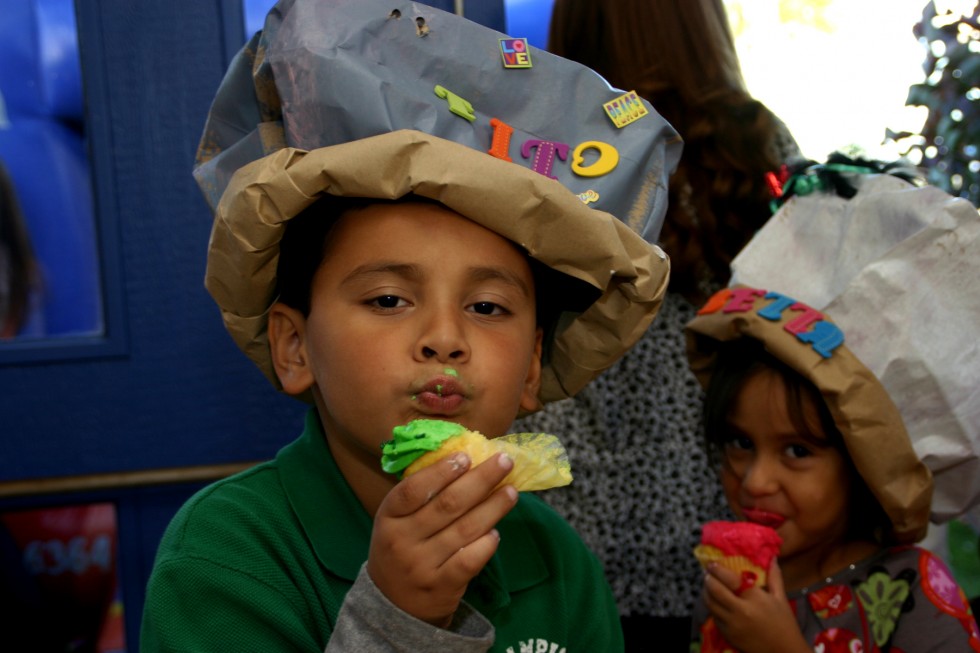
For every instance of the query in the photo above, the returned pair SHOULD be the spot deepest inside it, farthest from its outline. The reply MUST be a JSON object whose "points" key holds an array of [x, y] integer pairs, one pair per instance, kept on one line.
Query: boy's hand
{"points": [[753, 619], [435, 531]]}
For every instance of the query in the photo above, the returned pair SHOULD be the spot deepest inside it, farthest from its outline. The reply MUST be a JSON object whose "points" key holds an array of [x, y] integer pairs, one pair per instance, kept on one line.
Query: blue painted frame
{"points": [[113, 340]]}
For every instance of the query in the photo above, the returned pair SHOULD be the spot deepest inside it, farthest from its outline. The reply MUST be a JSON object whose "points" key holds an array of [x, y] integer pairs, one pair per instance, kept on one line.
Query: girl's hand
{"points": [[753, 619], [435, 531]]}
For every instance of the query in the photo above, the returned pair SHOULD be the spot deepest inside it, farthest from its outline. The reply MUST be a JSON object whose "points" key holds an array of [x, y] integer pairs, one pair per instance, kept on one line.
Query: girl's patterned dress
{"points": [[901, 600]]}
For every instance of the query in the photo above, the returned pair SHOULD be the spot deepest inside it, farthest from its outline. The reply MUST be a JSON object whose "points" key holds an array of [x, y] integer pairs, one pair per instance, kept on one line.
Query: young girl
{"points": [[809, 443]]}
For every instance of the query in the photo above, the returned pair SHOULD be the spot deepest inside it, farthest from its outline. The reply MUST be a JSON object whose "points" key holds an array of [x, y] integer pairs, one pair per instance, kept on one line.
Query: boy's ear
{"points": [[532, 384], [287, 344]]}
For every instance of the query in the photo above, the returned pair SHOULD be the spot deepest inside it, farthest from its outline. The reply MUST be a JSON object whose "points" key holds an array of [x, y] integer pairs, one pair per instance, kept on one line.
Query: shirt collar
{"points": [[338, 527]]}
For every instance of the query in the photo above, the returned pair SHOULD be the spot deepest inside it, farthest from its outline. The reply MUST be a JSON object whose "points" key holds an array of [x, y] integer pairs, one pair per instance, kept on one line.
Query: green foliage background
{"points": [[948, 145]]}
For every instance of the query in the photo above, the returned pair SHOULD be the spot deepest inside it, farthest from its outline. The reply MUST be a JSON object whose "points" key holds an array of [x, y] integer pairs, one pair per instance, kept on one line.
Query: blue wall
{"points": [[164, 386]]}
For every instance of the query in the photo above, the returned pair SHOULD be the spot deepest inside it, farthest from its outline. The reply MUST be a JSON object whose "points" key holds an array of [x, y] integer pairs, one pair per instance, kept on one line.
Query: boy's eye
{"points": [[387, 301], [487, 308]]}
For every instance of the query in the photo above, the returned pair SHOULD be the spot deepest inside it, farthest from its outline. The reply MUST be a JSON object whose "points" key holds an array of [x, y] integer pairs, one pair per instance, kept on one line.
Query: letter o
{"points": [[608, 159]]}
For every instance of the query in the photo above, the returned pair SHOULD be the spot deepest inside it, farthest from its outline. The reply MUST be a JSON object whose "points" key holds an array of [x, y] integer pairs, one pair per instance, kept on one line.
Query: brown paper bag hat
{"points": [[896, 267], [811, 344], [377, 99]]}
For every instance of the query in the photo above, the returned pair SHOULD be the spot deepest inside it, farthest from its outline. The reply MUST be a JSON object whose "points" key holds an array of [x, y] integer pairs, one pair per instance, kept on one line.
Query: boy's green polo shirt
{"points": [[262, 561]]}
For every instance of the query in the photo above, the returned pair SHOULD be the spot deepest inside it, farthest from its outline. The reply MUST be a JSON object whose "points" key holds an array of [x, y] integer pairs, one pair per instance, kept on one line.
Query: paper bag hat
{"points": [[383, 99], [895, 267]]}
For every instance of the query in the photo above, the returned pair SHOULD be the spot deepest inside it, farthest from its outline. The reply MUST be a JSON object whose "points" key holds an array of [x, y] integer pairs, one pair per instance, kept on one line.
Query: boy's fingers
{"points": [[463, 494], [477, 522], [467, 562], [413, 493]]}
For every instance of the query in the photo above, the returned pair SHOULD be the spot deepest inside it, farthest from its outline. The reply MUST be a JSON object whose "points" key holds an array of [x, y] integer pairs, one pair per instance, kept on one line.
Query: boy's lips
{"points": [[763, 517], [442, 395]]}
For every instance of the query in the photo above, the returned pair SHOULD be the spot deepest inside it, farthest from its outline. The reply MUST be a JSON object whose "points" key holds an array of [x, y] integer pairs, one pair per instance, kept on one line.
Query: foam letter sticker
{"points": [[716, 302], [774, 311], [802, 322], [500, 144], [457, 105], [825, 338], [544, 154], [608, 159], [742, 300]]}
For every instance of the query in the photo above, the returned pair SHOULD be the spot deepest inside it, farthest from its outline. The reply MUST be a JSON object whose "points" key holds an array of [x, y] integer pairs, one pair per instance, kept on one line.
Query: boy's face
{"points": [[415, 312]]}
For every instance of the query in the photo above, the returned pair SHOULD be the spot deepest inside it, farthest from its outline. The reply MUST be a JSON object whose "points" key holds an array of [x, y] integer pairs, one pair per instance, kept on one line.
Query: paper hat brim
{"points": [[868, 420], [536, 212]]}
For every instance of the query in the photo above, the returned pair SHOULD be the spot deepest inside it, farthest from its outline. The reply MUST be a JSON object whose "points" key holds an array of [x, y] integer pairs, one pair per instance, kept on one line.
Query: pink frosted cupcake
{"points": [[741, 546]]}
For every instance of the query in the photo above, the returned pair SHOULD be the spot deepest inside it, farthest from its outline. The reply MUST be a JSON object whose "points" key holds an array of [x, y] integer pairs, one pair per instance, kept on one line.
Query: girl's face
{"points": [[793, 481]]}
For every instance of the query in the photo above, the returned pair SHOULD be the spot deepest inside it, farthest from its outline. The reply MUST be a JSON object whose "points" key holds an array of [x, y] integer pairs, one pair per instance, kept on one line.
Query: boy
{"points": [[384, 278]]}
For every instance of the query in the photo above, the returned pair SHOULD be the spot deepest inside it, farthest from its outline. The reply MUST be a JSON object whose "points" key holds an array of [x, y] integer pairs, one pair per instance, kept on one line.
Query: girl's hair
{"points": [[680, 56], [736, 362]]}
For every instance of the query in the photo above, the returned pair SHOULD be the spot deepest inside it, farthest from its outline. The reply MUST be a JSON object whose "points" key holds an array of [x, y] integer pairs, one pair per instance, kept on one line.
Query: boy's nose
{"points": [[444, 340]]}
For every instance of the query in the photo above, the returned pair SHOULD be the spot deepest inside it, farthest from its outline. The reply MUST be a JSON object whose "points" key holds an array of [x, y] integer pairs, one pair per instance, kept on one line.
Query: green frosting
{"points": [[413, 440]]}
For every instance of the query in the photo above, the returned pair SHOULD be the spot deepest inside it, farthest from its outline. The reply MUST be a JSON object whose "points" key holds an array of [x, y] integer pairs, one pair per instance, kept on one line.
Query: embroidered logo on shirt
{"points": [[537, 646]]}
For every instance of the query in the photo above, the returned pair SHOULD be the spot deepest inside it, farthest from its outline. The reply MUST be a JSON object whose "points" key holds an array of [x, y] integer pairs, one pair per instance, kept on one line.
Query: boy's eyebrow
{"points": [[415, 273], [406, 270], [488, 273]]}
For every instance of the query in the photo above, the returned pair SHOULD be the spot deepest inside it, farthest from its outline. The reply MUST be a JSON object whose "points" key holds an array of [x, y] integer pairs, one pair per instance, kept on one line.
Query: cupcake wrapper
{"points": [[707, 554]]}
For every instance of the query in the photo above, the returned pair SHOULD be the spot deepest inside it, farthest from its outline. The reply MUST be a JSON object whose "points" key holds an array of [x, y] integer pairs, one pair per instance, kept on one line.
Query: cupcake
{"points": [[740, 546], [540, 460]]}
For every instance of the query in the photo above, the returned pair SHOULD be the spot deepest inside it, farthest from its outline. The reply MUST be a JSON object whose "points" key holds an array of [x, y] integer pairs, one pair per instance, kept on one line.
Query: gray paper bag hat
{"points": [[384, 99]]}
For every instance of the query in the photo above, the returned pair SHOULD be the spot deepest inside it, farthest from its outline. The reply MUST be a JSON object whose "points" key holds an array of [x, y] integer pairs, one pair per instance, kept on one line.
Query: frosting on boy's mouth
{"points": [[441, 395]]}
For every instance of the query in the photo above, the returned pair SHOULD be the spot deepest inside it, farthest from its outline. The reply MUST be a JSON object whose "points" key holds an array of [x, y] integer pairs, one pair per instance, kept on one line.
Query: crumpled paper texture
{"points": [[358, 75], [623, 276], [310, 79], [897, 268]]}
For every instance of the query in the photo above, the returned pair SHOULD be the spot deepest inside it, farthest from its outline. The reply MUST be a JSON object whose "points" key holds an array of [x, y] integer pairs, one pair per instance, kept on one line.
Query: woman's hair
{"points": [[680, 56], [20, 275], [738, 360]]}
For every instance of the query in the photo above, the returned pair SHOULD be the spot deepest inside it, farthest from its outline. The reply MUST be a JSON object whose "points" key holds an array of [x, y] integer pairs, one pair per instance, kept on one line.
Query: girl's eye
{"points": [[798, 451], [387, 301], [738, 442], [488, 308]]}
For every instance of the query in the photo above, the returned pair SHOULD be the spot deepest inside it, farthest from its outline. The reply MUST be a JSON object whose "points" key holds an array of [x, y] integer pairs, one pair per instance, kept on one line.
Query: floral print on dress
{"points": [[882, 597], [942, 590], [712, 640], [831, 601], [837, 640], [901, 600]]}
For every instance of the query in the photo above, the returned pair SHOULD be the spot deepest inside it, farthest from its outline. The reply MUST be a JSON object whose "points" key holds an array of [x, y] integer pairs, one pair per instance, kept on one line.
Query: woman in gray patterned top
{"points": [[642, 483]]}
